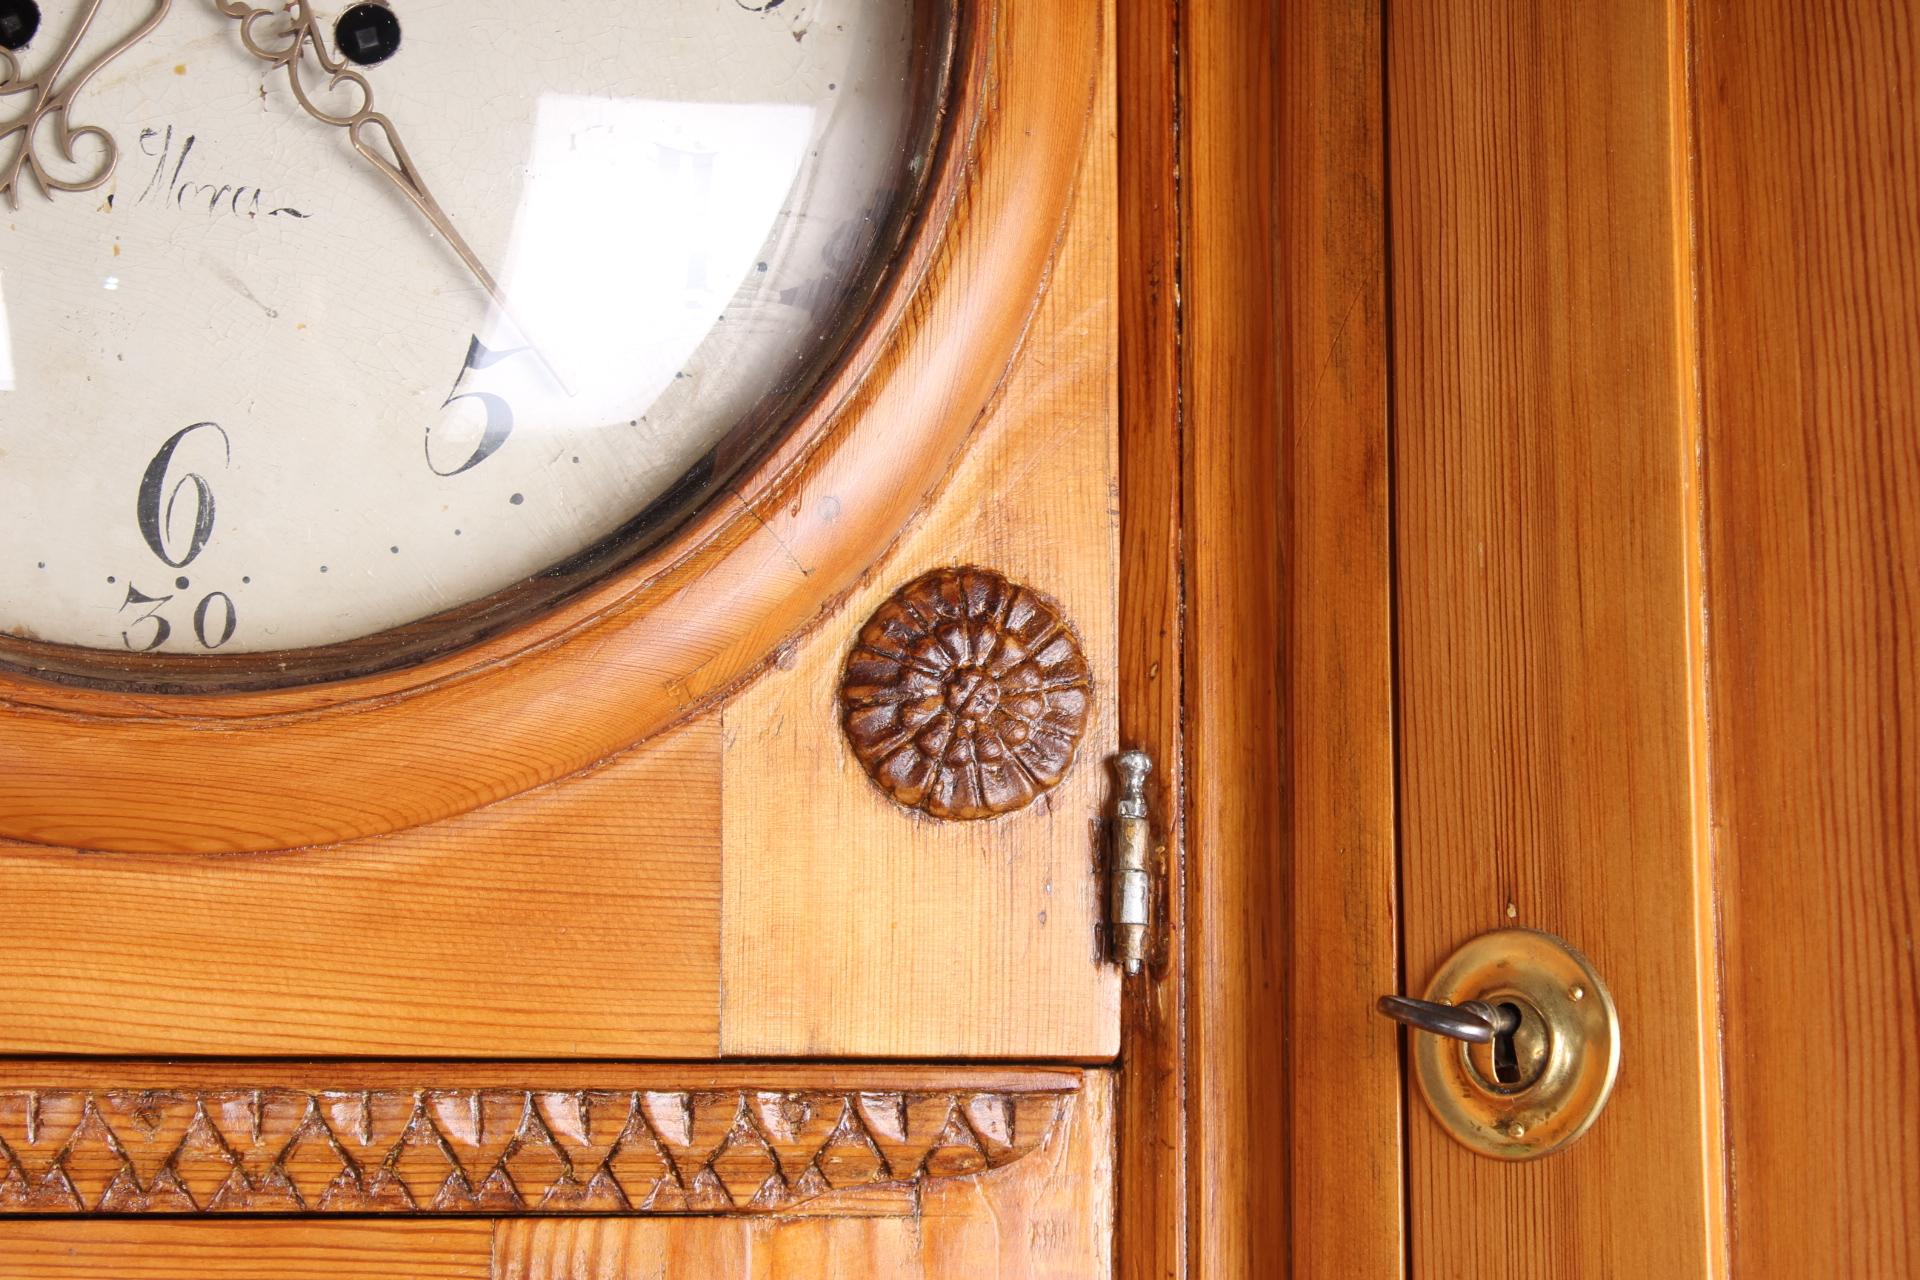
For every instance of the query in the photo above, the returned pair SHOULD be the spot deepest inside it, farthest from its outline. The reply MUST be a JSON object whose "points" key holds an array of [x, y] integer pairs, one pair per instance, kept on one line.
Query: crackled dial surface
{"points": [[329, 319]]}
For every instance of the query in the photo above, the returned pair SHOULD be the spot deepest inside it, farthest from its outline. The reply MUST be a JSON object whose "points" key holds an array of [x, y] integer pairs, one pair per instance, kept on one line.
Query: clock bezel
{"points": [[667, 637], [781, 414]]}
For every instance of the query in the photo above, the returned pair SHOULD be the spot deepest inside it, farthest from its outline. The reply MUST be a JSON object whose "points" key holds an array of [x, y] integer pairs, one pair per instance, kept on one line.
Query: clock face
{"points": [[287, 361]]}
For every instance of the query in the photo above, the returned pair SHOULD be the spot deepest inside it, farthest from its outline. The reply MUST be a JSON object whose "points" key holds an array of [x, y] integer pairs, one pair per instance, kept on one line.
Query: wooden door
{"points": [[610, 940], [1565, 356], [1654, 386]]}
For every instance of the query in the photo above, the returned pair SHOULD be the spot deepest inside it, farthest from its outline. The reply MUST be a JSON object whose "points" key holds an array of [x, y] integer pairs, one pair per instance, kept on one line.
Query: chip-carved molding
{"points": [[491, 1150]]}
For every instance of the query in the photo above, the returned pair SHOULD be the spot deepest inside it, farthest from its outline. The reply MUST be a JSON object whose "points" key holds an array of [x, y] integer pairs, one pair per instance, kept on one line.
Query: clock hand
{"points": [[366, 129], [52, 101]]}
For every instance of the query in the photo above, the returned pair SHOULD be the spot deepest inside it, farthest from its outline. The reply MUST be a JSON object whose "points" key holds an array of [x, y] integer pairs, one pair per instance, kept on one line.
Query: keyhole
{"points": [[1506, 1062]]}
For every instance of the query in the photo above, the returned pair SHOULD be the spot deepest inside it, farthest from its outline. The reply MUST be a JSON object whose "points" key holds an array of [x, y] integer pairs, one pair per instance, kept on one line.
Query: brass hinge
{"points": [[1130, 866]]}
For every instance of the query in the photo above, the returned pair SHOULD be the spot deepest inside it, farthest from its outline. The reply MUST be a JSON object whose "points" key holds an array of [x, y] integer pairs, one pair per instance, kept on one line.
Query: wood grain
{"points": [[244, 1138], [581, 919], [1048, 1218], [1151, 1229], [1336, 648], [1546, 443], [1809, 144], [854, 926], [665, 639], [1288, 679], [1239, 907], [152, 1250], [1264, 373]]}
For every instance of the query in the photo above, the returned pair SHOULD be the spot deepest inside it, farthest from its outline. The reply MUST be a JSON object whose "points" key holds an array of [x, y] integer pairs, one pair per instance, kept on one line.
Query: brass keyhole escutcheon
{"points": [[1543, 1077]]}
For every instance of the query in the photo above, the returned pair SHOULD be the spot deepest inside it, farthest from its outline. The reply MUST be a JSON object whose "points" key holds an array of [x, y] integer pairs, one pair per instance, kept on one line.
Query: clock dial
{"points": [[327, 319]]}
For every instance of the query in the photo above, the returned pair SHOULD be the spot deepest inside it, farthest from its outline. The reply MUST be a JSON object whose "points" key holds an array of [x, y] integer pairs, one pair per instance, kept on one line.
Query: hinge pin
{"points": [[1130, 889]]}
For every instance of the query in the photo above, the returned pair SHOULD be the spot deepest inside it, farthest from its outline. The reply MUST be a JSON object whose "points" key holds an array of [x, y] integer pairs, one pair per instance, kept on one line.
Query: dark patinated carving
{"points": [[965, 695], [237, 1150]]}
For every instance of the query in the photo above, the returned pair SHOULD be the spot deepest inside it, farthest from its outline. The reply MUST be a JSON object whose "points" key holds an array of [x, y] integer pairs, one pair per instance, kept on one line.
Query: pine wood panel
{"points": [[580, 919], [1551, 764], [136, 1250], [855, 926], [1048, 1218], [1809, 143]]}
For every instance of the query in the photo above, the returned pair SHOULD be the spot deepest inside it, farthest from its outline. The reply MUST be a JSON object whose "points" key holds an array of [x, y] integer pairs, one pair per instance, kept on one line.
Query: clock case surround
{"points": [[648, 647]]}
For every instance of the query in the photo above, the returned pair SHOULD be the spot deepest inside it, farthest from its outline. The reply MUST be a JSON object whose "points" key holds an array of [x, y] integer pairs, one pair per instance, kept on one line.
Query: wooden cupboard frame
{"points": [[1261, 1126], [1232, 665]]}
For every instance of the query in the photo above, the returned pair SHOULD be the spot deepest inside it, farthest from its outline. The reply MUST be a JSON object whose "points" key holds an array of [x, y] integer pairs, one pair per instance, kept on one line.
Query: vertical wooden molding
{"points": [[1710, 1070], [1341, 859], [1151, 1229], [1809, 143], [1295, 1125], [1547, 534], [1236, 510]]}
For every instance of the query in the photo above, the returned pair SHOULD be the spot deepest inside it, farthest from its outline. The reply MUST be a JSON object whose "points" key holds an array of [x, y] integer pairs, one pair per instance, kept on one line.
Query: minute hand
{"points": [[300, 38]]}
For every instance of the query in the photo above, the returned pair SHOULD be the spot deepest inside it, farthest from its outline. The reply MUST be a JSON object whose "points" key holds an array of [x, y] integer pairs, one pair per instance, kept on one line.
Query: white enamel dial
{"points": [[251, 399]]}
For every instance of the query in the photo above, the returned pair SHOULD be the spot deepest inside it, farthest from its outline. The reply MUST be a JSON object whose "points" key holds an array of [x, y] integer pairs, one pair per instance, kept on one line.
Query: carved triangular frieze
{"points": [[237, 1149]]}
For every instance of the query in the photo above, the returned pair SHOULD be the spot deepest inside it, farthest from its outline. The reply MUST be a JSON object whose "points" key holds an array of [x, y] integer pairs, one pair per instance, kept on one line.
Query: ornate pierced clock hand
{"points": [[51, 103], [366, 129]]}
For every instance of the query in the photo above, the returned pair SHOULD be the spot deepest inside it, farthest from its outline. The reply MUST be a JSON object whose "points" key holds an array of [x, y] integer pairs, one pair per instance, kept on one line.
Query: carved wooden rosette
{"points": [[450, 1151], [965, 695]]}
